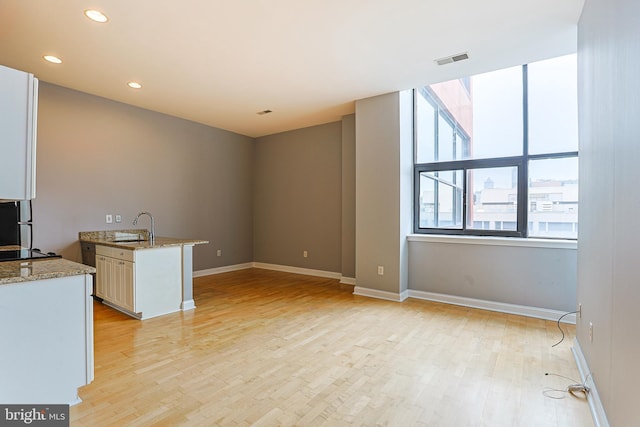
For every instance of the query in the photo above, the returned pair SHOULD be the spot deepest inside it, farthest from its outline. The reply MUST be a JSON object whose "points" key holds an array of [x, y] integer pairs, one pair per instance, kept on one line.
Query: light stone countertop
{"points": [[110, 238], [27, 271]]}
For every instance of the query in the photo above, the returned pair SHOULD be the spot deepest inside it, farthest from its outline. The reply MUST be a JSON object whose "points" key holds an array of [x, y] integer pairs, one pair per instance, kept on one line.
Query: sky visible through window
{"points": [[485, 119]]}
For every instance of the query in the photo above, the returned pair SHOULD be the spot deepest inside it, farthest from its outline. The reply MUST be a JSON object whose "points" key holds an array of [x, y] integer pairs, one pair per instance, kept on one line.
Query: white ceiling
{"points": [[220, 62]]}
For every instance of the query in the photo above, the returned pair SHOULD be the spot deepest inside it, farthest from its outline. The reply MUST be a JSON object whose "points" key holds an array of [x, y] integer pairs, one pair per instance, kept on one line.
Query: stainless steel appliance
{"points": [[16, 233]]}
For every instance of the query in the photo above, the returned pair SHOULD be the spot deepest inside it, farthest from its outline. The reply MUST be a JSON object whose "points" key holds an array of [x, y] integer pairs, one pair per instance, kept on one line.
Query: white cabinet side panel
{"points": [[45, 351]]}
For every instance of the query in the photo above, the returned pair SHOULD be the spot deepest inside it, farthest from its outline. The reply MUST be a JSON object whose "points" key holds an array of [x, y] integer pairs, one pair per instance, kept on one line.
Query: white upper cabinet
{"points": [[18, 125]]}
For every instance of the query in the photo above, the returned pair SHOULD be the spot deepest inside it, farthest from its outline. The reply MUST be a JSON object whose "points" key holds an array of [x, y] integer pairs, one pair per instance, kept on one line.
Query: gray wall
{"points": [[535, 277], [297, 198], [96, 156], [349, 196], [609, 107], [529, 276], [383, 191]]}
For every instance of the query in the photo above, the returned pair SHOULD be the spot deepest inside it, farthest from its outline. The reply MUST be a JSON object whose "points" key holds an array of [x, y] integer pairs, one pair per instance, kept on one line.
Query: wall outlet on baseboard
{"points": [[219, 252], [305, 254], [108, 218], [380, 270]]}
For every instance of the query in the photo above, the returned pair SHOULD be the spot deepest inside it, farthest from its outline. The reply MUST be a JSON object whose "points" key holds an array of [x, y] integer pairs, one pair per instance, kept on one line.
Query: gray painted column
{"points": [[383, 194]]}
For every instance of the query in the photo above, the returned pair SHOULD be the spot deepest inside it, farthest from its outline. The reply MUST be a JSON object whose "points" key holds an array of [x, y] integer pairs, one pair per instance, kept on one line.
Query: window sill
{"points": [[495, 241]]}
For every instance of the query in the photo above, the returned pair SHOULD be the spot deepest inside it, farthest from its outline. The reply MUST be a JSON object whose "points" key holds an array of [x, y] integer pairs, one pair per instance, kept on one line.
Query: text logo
{"points": [[34, 415]]}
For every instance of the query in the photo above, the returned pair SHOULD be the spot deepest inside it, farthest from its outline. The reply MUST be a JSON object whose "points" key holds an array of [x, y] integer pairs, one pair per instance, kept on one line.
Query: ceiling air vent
{"points": [[453, 58], [260, 113]]}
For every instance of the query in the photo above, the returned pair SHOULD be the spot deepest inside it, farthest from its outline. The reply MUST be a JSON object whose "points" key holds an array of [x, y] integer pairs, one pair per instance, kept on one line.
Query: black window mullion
{"points": [[470, 164], [523, 170], [436, 130], [416, 199], [523, 187], [562, 155], [436, 201], [465, 206]]}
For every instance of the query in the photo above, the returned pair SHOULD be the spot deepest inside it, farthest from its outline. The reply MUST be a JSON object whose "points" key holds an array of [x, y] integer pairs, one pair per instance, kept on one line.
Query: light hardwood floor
{"points": [[277, 349]]}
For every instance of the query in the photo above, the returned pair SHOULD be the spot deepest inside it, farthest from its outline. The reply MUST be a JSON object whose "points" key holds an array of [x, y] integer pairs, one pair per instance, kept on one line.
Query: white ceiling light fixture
{"points": [[134, 85], [453, 58], [52, 59], [96, 15]]}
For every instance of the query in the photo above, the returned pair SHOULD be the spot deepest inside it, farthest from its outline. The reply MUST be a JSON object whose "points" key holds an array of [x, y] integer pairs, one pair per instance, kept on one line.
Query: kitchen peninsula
{"points": [[143, 277], [46, 330]]}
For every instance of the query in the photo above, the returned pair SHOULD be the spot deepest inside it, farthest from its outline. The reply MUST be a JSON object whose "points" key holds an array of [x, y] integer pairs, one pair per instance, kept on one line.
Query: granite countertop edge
{"points": [[159, 242], [12, 272], [110, 238]]}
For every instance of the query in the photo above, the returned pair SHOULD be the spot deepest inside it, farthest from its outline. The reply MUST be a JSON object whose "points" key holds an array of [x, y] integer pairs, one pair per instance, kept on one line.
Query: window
{"points": [[496, 153]]}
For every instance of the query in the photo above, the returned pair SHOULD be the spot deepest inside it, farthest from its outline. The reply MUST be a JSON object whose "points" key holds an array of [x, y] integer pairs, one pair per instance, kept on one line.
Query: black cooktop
{"points": [[25, 254]]}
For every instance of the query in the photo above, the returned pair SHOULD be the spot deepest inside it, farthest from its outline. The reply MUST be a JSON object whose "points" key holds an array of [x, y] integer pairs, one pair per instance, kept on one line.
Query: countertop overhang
{"points": [[28, 271], [109, 238]]}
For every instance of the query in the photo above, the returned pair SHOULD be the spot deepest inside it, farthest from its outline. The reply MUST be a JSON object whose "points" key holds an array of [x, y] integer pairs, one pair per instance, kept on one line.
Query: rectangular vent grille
{"points": [[453, 58]]}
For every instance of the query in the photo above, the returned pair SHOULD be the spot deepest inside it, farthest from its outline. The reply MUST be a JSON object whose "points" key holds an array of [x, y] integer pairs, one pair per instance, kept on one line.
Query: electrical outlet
{"points": [[108, 218], [305, 254], [118, 218], [219, 253], [380, 270], [579, 311], [591, 331]]}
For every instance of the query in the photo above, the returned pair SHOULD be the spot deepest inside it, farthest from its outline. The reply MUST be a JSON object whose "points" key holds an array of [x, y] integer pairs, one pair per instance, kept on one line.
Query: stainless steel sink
{"points": [[126, 237]]}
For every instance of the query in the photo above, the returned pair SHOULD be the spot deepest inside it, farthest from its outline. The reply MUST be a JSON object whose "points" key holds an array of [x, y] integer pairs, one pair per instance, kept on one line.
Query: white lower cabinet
{"points": [[115, 277], [47, 340], [143, 283]]}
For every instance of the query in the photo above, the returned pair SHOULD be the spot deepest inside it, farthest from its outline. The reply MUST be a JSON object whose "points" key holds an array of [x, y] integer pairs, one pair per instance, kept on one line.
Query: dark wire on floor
{"points": [[561, 331]]}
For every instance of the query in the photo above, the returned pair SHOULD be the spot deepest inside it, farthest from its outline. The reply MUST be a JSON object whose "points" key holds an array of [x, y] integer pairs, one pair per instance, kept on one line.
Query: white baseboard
{"points": [[595, 404], [188, 305], [225, 269], [375, 293], [522, 310], [347, 280], [298, 270], [276, 267]]}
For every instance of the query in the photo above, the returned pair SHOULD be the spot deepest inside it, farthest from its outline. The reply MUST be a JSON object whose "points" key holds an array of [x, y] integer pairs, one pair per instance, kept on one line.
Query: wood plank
{"points": [[274, 348]]}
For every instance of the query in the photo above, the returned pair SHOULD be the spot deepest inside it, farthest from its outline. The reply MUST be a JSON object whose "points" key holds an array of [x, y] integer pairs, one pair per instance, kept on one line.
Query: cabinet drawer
{"points": [[123, 254], [103, 250]]}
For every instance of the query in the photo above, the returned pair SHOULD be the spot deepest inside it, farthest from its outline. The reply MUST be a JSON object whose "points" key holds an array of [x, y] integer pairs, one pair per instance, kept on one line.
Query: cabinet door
{"points": [[18, 124], [110, 288], [128, 285], [103, 275], [124, 284]]}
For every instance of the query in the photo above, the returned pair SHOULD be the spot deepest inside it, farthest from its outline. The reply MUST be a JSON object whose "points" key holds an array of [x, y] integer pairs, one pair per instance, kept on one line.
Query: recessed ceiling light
{"points": [[96, 15], [52, 59], [134, 85]]}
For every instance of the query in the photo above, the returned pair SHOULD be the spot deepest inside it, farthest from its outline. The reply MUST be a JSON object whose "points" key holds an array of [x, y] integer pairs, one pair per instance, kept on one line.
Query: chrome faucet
{"points": [[152, 233]]}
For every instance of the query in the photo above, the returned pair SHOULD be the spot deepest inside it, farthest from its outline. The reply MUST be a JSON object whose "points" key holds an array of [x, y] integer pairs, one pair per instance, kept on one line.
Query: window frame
{"points": [[521, 162]]}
